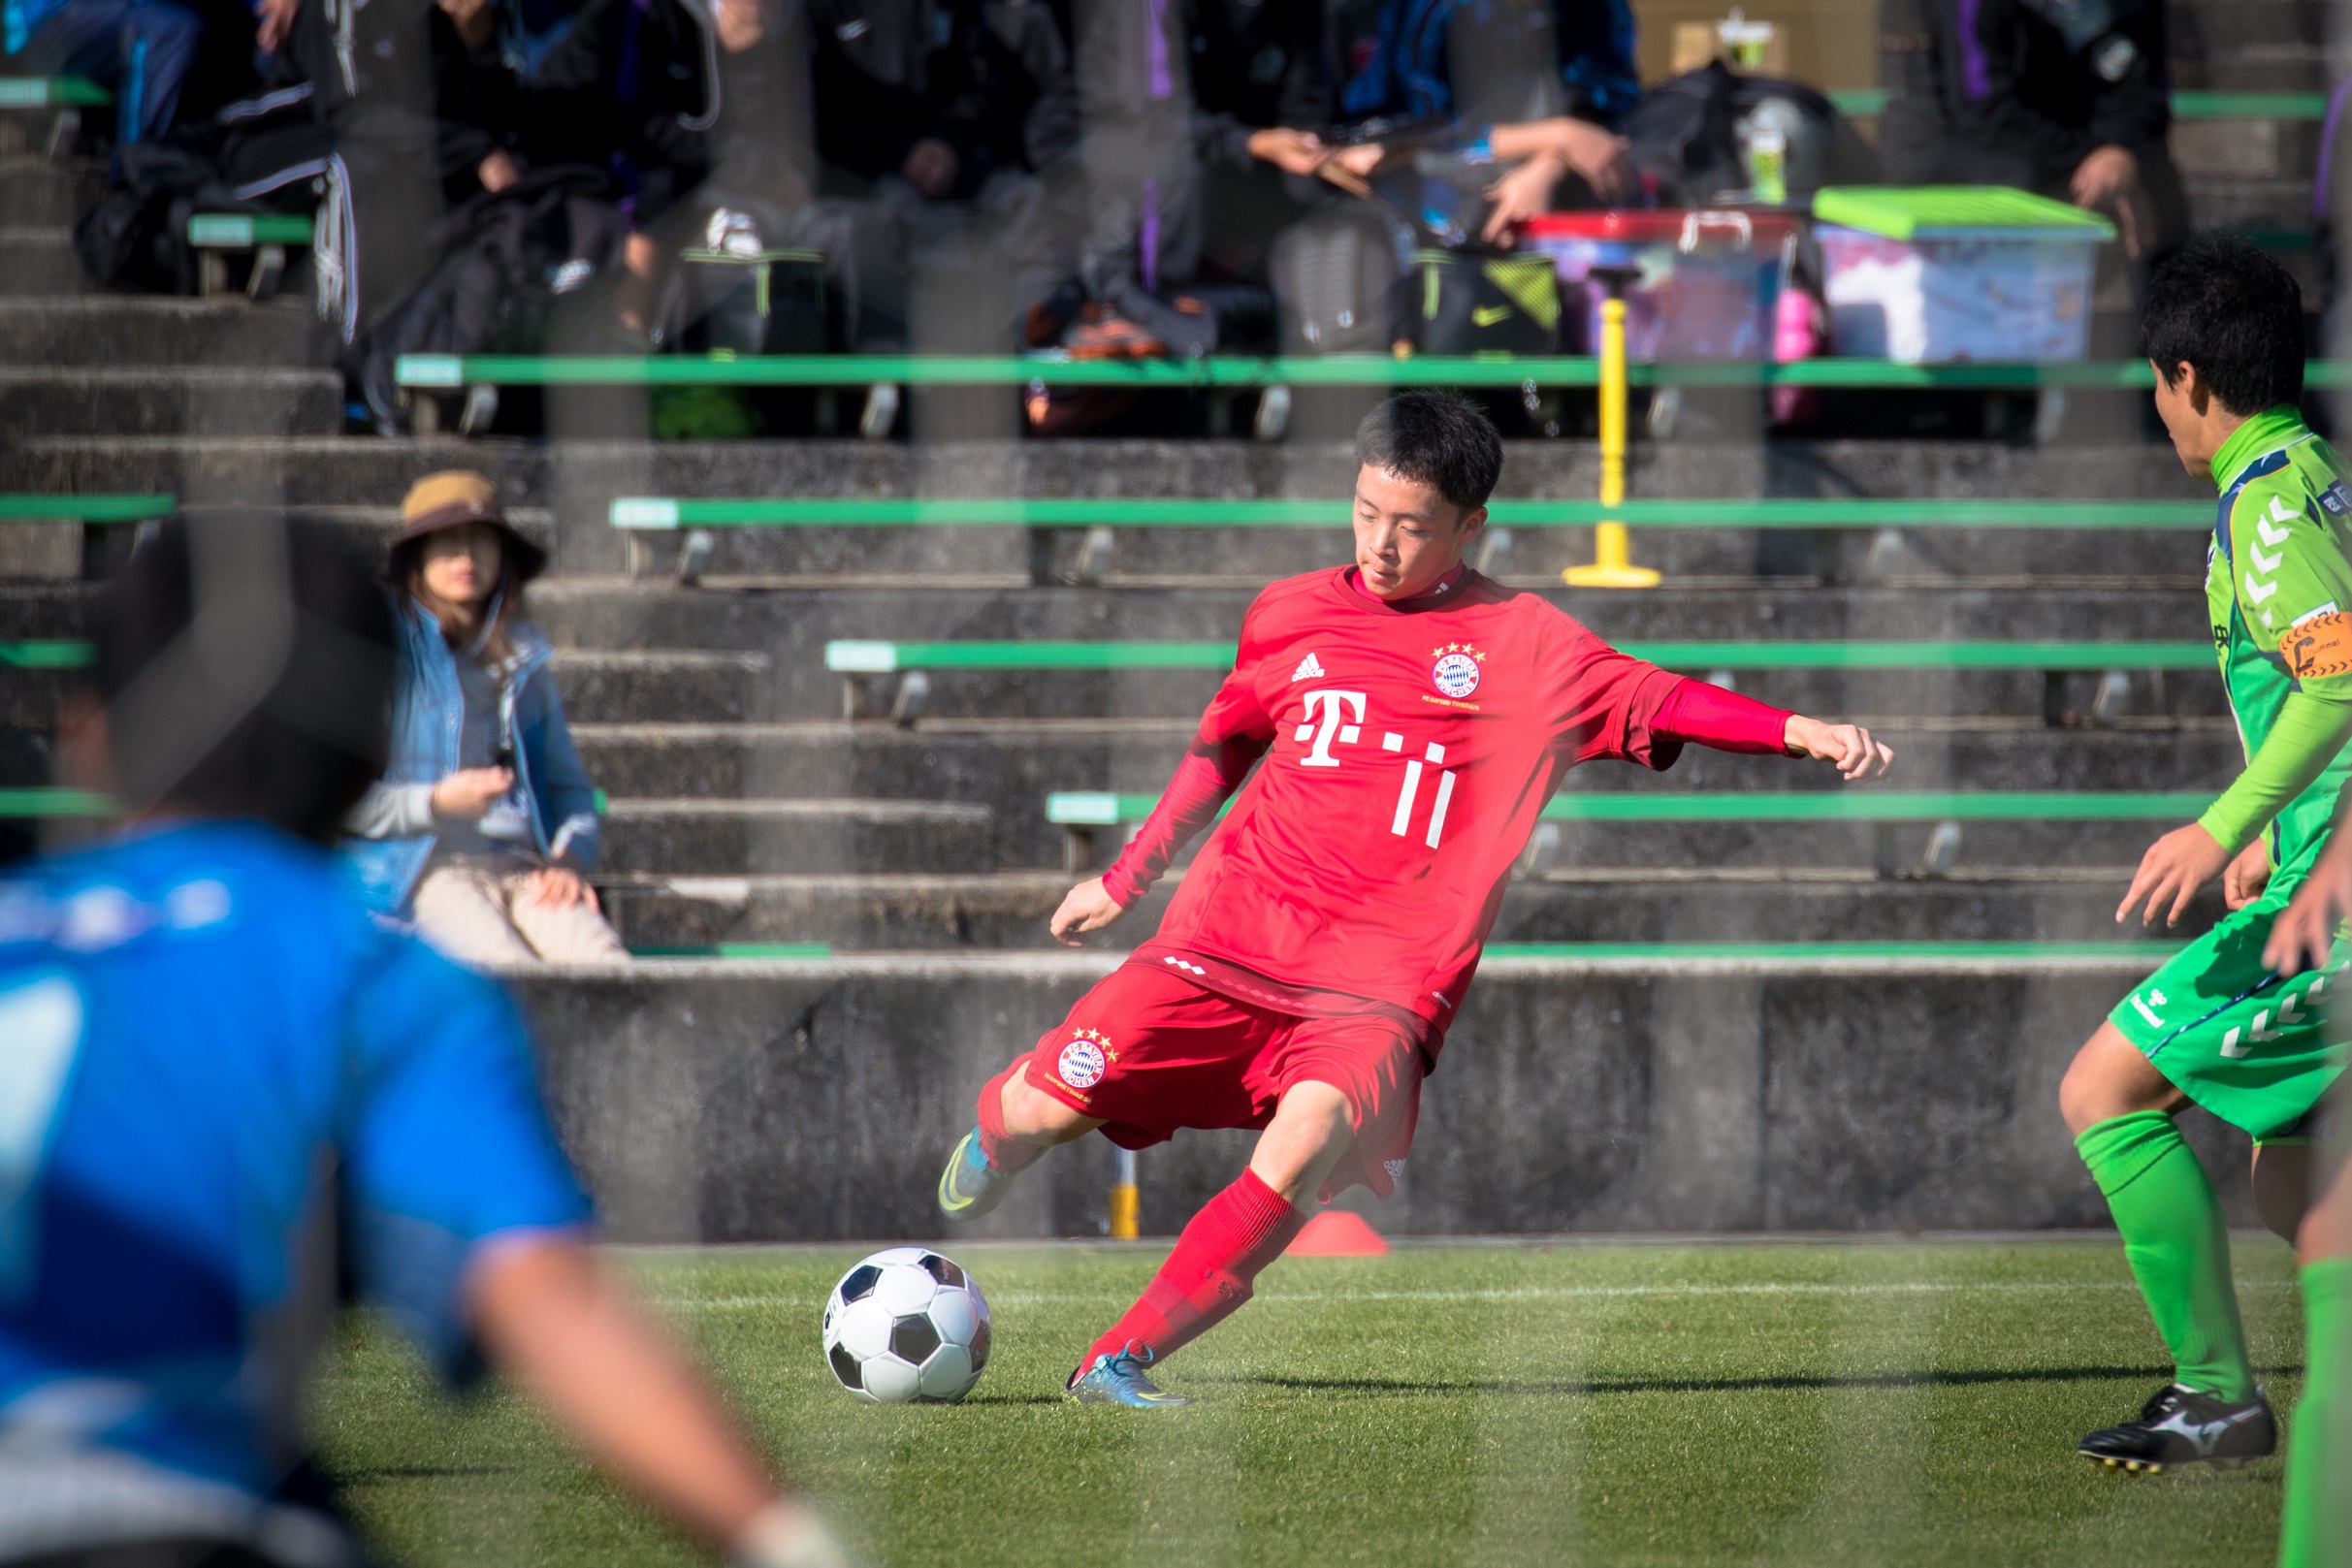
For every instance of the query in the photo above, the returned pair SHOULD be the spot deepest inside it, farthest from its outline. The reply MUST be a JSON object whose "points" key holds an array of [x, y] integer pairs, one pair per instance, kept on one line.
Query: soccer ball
{"points": [[907, 1326]]}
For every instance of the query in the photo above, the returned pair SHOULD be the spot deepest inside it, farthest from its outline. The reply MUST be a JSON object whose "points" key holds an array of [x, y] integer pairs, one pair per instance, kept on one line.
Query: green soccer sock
{"points": [[2315, 1527], [2178, 1246]]}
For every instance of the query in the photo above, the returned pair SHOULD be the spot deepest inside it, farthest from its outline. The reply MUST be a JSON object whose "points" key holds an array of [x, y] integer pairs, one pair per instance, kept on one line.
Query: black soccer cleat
{"points": [[2178, 1427]]}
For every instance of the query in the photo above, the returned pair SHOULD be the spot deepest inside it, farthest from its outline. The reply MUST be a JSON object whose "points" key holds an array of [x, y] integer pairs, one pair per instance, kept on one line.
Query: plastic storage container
{"points": [[1949, 272], [1709, 280]]}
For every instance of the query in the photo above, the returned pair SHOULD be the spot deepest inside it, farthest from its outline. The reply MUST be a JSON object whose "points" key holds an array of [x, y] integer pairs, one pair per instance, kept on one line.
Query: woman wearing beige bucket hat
{"points": [[484, 823]]}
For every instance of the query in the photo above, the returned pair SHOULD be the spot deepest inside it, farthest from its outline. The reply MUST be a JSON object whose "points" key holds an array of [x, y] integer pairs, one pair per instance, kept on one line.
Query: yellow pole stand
{"points": [[1124, 1200], [1612, 550]]}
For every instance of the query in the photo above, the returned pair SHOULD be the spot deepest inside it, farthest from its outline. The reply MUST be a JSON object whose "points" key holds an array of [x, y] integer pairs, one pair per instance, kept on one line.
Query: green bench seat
{"points": [[45, 655], [659, 513], [53, 93], [453, 372], [853, 657], [30, 508], [1102, 809], [46, 801], [212, 236]]}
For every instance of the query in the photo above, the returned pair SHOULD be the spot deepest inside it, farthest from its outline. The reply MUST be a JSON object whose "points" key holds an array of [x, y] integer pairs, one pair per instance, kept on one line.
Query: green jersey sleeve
{"points": [[2294, 586]]}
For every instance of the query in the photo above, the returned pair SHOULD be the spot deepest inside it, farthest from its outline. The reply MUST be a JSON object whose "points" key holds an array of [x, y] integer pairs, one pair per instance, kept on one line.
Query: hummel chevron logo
{"points": [[1309, 669]]}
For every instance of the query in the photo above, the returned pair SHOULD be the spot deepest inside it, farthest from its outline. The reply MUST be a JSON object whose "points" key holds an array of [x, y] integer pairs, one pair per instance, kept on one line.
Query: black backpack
{"points": [[506, 257], [1685, 140]]}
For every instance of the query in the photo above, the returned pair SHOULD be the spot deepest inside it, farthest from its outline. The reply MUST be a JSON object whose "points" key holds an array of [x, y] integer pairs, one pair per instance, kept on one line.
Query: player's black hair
{"points": [[246, 667], [1440, 439], [2222, 305]]}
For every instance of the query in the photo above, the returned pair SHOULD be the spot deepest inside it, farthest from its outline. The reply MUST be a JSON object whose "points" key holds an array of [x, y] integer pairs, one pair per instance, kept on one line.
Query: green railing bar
{"points": [[1089, 808], [231, 231], [53, 93], [2190, 105], [2198, 105], [802, 950], [54, 802], [449, 371], [1772, 512], [45, 655], [1780, 951], [1858, 806], [857, 657], [24, 508]]}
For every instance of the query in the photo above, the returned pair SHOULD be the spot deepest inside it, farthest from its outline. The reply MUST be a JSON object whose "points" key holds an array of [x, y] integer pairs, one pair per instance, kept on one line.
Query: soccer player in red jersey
{"points": [[1407, 719]]}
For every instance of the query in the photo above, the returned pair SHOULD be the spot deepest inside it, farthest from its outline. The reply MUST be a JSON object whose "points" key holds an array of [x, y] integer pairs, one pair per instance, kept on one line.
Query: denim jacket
{"points": [[393, 828]]}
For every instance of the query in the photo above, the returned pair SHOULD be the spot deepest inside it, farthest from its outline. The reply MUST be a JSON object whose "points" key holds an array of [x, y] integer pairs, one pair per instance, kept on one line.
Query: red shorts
{"points": [[1149, 1051]]}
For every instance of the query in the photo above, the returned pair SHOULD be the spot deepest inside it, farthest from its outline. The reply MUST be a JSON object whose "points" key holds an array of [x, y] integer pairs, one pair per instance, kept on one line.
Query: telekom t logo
{"points": [[1334, 707]]}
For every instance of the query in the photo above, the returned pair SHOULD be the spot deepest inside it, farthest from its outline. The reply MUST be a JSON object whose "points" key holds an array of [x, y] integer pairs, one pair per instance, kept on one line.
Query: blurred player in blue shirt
{"points": [[219, 1076]]}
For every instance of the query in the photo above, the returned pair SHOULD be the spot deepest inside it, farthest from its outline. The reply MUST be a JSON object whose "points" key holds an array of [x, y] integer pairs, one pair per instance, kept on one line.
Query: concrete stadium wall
{"points": [[742, 1102]]}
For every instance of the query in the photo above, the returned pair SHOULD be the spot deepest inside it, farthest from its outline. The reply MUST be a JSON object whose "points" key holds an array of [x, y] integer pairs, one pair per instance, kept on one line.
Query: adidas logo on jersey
{"points": [[1309, 669]]}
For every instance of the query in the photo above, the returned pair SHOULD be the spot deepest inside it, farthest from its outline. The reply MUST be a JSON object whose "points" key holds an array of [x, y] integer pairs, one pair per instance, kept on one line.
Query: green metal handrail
{"points": [[52, 655]]}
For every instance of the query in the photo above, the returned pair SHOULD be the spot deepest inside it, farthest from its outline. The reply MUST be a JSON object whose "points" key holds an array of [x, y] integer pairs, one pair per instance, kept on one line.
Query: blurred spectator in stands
{"points": [[1539, 85], [233, 1083], [949, 112], [140, 51], [2070, 98], [477, 100], [484, 821], [630, 86]]}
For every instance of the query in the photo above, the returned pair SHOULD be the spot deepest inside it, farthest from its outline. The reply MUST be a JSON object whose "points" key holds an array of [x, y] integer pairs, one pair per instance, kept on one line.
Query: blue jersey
{"points": [[212, 1058]]}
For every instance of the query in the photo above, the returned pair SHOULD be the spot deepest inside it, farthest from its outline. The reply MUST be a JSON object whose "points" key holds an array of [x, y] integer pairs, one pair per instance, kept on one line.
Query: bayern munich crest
{"points": [[1455, 671], [1084, 1060]]}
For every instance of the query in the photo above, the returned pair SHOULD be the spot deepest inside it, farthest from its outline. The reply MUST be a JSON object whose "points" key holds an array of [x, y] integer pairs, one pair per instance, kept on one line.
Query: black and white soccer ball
{"points": [[907, 1326]]}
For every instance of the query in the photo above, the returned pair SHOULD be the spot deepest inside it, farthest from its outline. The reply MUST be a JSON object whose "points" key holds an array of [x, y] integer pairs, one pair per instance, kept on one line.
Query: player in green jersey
{"points": [[2215, 1026]]}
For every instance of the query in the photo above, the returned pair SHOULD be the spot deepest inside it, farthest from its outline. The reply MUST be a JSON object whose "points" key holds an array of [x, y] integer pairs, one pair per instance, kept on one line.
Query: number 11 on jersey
{"points": [[1409, 795]]}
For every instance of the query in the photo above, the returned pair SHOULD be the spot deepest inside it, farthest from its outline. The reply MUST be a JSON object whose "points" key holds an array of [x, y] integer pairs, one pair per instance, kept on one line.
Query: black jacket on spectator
{"points": [[632, 88], [988, 78], [2019, 92], [1255, 64]]}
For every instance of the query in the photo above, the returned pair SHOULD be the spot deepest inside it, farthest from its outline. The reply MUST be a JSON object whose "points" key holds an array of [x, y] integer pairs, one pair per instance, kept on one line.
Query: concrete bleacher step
{"points": [[793, 626], [2248, 45], [137, 401], [715, 834], [38, 258], [134, 330], [1004, 771], [48, 192], [1008, 910], [806, 1101], [665, 686]]}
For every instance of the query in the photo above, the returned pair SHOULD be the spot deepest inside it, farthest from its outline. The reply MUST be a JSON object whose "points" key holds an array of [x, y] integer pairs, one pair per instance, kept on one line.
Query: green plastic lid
{"points": [[1956, 212]]}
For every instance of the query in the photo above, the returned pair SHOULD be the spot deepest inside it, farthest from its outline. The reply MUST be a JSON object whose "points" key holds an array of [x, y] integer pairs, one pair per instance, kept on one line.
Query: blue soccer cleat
{"points": [[1117, 1378], [971, 1187]]}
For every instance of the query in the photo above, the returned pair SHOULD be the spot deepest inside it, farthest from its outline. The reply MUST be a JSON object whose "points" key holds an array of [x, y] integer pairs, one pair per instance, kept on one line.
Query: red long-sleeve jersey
{"points": [[1408, 752]]}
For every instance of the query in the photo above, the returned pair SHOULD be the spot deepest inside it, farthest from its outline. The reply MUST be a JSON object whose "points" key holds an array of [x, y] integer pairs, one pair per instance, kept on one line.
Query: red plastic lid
{"points": [[1665, 226]]}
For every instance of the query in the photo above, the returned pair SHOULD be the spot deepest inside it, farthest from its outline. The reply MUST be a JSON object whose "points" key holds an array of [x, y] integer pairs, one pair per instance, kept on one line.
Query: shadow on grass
{"points": [[421, 1472], [1737, 1385]]}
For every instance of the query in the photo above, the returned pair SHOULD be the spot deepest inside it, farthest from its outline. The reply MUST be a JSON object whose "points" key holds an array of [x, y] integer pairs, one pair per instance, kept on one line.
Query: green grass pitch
{"points": [[1593, 1403]]}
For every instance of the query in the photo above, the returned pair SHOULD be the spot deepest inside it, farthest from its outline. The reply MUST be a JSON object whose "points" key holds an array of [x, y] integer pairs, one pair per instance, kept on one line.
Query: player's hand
{"points": [[1088, 907], [2304, 936], [2170, 873], [558, 887], [464, 796], [2248, 875], [272, 19], [1851, 747]]}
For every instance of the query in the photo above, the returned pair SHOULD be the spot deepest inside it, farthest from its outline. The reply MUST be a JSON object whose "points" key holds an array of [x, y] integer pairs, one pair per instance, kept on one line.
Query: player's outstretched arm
{"points": [[1088, 907], [1856, 754], [552, 1320]]}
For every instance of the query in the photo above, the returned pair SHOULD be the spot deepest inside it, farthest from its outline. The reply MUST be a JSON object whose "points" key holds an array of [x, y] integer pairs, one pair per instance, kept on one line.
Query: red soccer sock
{"points": [[1005, 1152], [1209, 1275]]}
